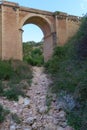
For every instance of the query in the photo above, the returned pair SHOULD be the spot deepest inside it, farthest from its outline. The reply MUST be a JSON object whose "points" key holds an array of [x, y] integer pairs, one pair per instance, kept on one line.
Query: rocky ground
{"points": [[31, 112]]}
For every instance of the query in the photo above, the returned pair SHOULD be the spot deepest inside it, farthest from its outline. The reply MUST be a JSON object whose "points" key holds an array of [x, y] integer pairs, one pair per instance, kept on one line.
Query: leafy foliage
{"points": [[13, 93], [33, 53], [6, 70], [3, 113], [68, 68], [16, 71], [15, 118], [1, 88]]}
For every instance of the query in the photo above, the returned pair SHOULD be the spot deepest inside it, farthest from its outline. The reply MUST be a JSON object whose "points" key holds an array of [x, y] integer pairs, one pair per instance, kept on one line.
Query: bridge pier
{"points": [[49, 45]]}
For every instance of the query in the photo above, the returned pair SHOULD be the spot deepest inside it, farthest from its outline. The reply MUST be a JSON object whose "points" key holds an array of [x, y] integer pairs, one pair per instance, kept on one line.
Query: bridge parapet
{"points": [[7, 3], [62, 15], [74, 18], [37, 11]]}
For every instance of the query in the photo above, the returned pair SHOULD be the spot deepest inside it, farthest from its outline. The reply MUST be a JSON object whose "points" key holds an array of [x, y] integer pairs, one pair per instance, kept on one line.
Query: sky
{"points": [[73, 7]]}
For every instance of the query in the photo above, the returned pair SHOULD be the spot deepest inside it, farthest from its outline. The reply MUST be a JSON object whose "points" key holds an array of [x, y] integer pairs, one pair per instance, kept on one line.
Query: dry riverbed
{"points": [[32, 111]]}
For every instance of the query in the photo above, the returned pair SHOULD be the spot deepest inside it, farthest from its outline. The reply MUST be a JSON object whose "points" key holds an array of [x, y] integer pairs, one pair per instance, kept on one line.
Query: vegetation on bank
{"points": [[68, 68], [13, 74], [33, 53], [15, 78]]}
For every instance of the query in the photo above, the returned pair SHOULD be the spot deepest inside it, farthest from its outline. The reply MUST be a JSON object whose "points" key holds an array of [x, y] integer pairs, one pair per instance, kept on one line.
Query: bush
{"points": [[6, 70], [16, 71], [15, 118], [68, 68], [82, 40], [1, 88], [36, 51], [33, 53], [22, 70], [36, 58], [74, 120], [59, 52], [81, 91], [13, 93], [3, 113]]}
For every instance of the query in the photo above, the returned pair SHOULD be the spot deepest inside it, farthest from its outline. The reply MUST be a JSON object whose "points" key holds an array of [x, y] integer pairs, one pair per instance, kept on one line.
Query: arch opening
{"points": [[46, 28], [33, 45], [41, 23], [32, 32]]}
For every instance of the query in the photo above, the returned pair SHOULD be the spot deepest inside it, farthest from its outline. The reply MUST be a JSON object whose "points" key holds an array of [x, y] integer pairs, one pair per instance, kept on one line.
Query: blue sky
{"points": [[73, 7]]}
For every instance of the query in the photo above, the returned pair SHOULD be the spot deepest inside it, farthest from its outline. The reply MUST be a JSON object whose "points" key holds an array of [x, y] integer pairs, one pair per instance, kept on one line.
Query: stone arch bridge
{"points": [[57, 28]]}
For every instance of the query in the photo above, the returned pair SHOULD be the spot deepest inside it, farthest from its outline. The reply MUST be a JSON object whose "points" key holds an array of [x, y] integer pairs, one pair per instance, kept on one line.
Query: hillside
{"points": [[68, 69]]}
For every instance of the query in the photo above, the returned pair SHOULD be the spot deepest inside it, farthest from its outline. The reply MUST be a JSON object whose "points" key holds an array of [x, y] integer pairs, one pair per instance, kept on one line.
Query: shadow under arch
{"points": [[47, 29]]}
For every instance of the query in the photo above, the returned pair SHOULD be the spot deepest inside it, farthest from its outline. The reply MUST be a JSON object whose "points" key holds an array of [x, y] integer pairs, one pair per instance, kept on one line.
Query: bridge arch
{"points": [[45, 25], [43, 19]]}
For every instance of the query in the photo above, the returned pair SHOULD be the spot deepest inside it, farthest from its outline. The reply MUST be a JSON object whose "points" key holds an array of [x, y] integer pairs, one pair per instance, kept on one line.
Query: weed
{"points": [[1, 88], [15, 118], [3, 113], [13, 93], [48, 101], [6, 70], [14, 72]]}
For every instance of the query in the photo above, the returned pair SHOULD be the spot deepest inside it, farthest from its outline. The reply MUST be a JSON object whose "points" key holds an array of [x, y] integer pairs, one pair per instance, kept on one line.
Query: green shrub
{"points": [[1, 88], [33, 53], [36, 51], [59, 52], [68, 68], [16, 71], [6, 70], [15, 118], [22, 70], [74, 120], [13, 93], [52, 65], [3, 113], [36, 58], [78, 117], [81, 91], [48, 102]]}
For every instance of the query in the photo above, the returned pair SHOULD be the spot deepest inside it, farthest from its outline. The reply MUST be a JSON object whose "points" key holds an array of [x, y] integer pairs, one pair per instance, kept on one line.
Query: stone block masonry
{"points": [[57, 28]]}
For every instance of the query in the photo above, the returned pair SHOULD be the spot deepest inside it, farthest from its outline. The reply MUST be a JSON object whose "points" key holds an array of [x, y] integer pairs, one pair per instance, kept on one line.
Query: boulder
{"points": [[20, 100], [60, 128], [12, 127], [26, 102]]}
